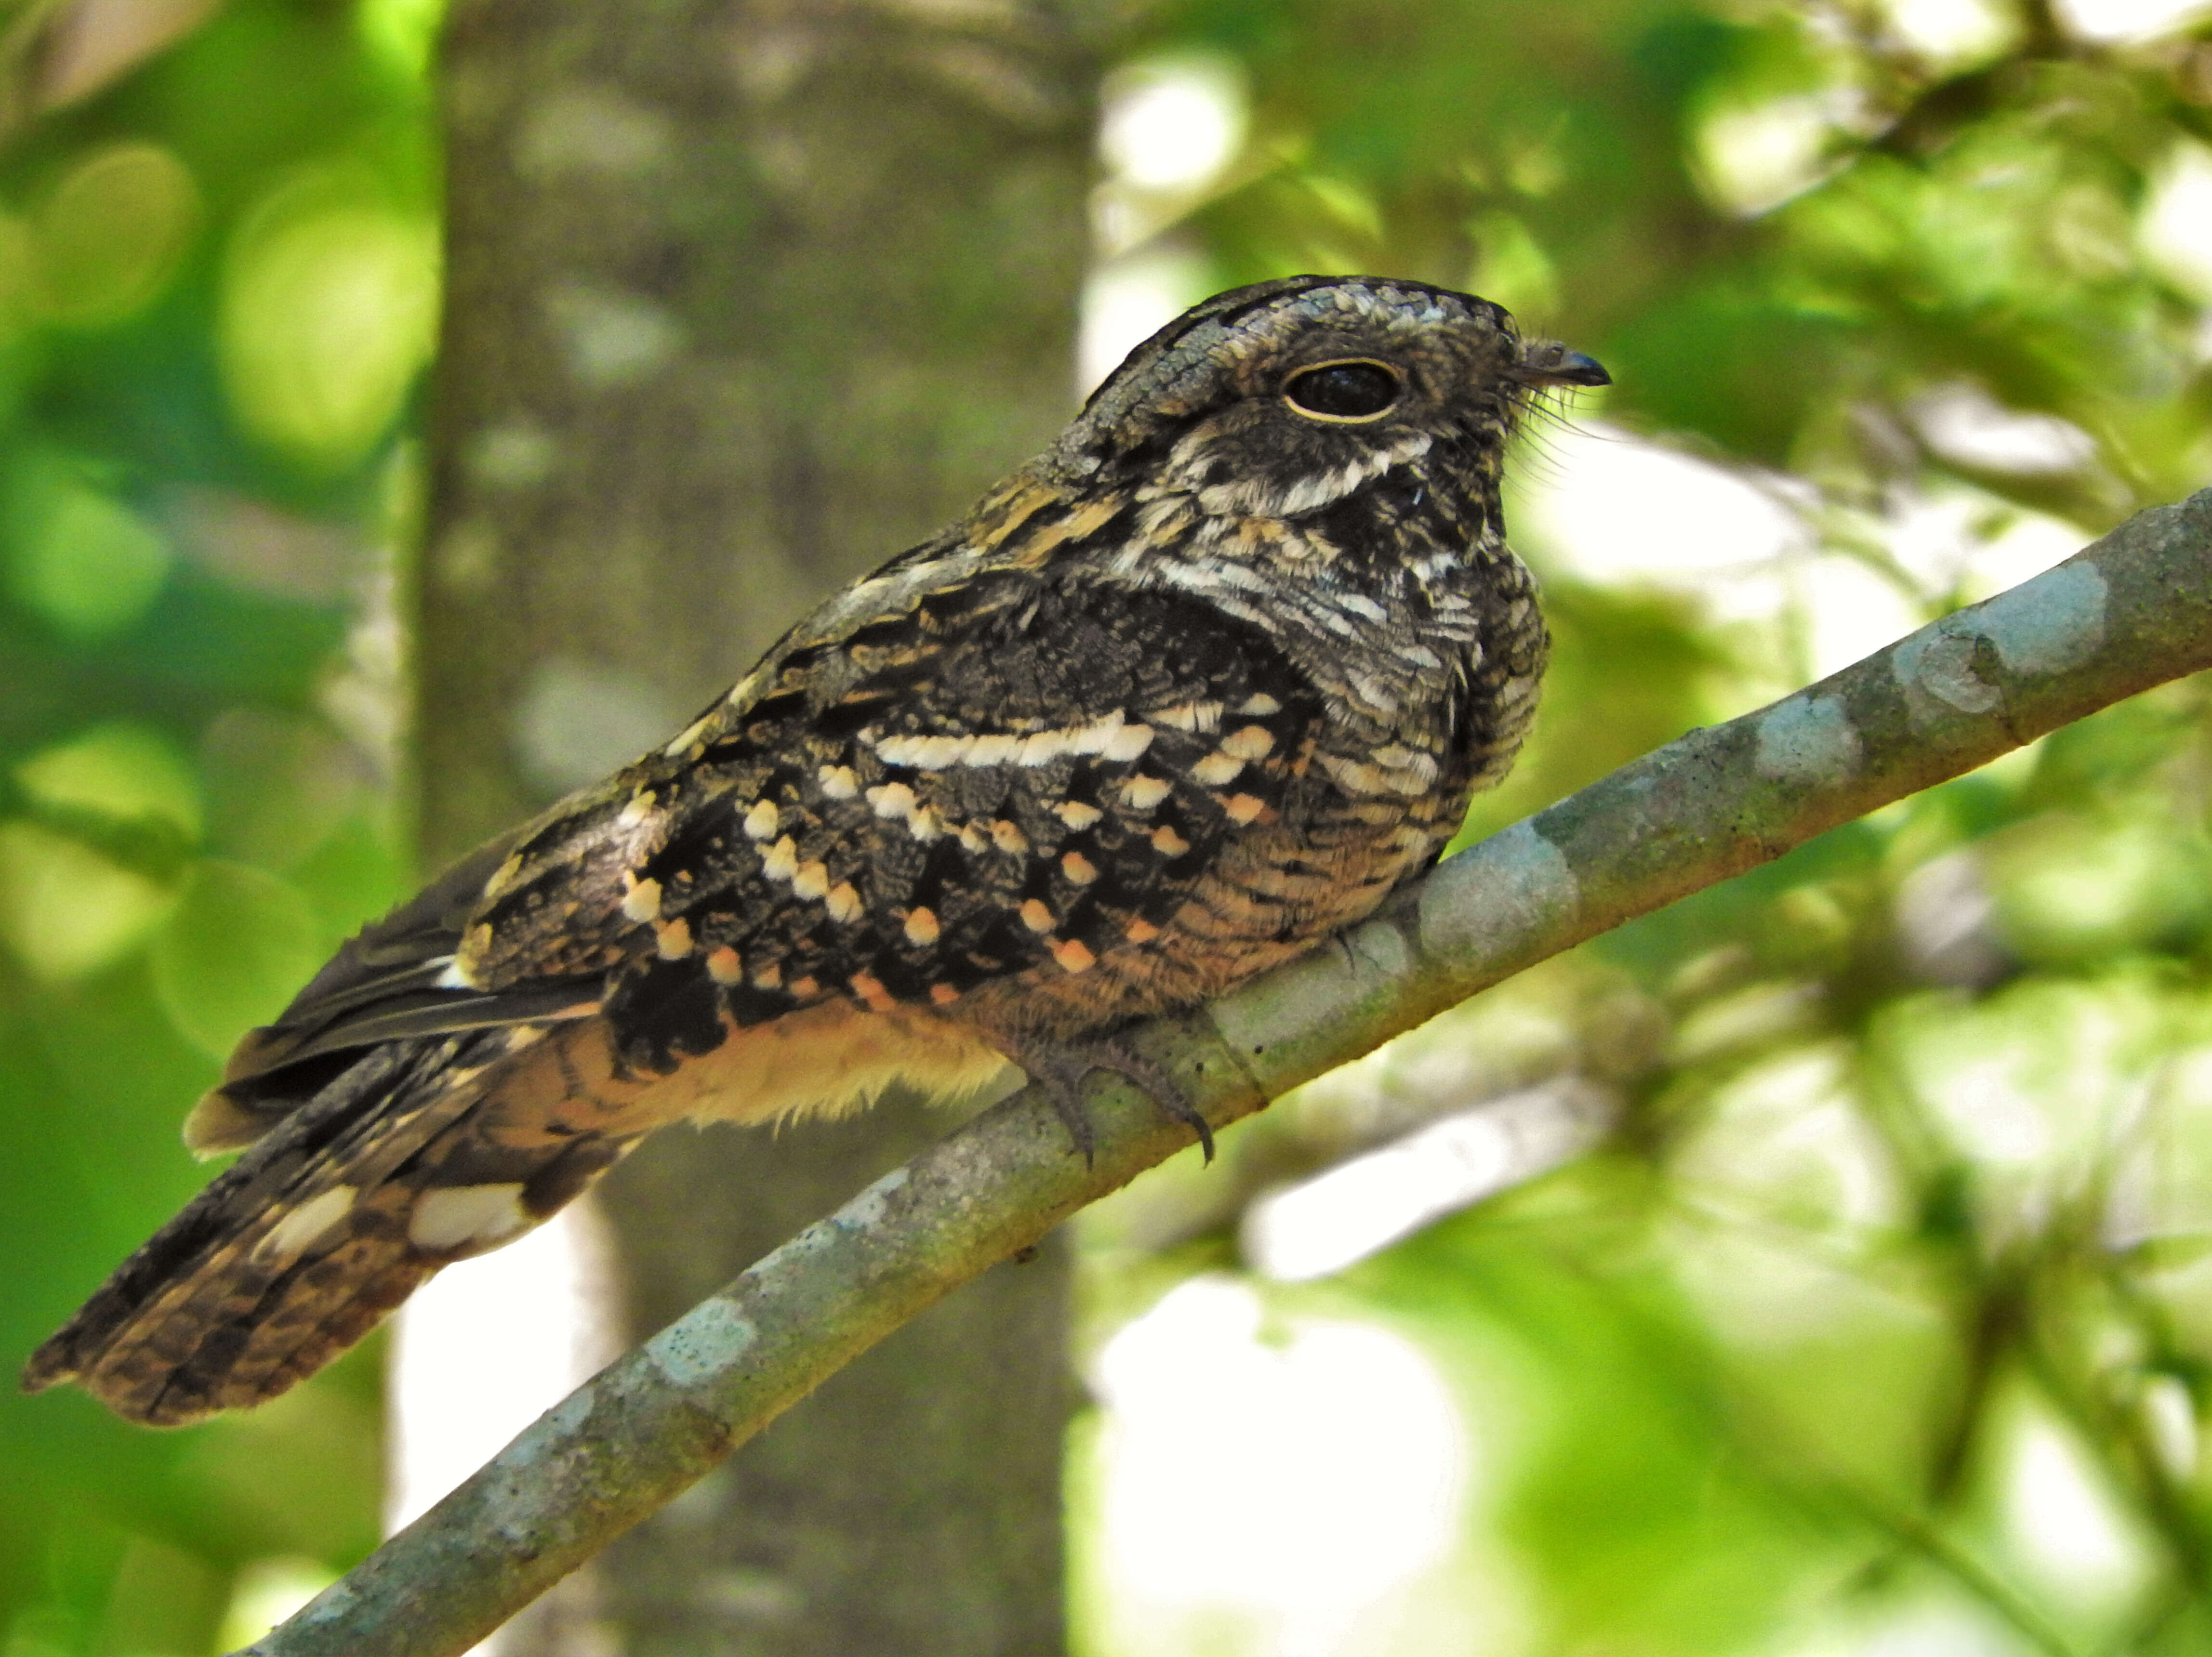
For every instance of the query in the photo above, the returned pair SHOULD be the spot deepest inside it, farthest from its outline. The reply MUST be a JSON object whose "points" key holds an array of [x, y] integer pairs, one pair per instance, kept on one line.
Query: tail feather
{"points": [[405, 1163]]}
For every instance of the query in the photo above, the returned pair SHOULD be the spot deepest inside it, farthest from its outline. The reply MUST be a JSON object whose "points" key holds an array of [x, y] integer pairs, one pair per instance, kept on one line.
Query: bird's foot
{"points": [[1059, 1068]]}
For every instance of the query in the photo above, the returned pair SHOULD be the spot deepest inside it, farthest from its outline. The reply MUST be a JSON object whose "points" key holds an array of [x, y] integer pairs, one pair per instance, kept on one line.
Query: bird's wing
{"points": [[1000, 786], [987, 773], [1004, 775]]}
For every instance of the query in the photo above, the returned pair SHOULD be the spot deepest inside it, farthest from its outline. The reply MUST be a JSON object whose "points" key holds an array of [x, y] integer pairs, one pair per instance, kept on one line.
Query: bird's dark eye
{"points": [[1344, 390]]}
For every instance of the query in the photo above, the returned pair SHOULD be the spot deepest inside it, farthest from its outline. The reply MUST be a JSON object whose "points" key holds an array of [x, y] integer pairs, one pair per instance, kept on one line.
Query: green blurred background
{"points": [[1814, 1268]]}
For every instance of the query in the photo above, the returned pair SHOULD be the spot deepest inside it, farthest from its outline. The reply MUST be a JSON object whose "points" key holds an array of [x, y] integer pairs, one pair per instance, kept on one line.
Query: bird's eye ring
{"points": [[1346, 392]]}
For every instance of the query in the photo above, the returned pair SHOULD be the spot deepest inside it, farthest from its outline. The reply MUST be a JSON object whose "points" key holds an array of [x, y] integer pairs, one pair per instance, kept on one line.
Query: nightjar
{"points": [[1192, 689]]}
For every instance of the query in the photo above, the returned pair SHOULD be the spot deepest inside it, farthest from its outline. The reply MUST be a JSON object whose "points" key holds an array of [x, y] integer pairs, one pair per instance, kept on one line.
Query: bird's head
{"points": [[1296, 397]]}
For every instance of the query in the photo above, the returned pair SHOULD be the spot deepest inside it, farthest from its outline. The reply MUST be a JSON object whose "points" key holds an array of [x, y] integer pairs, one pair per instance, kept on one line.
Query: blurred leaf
{"points": [[238, 944], [330, 308], [122, 770], [2072, 890], [83, 561], [111, 232], [66, 910]]}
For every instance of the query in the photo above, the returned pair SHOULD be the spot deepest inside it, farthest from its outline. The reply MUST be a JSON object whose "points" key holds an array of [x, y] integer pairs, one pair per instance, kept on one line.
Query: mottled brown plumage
{"points": [[1199, 685]]}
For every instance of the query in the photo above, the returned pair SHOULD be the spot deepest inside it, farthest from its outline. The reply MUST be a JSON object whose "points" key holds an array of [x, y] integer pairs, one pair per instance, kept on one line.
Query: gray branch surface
{"points": [[2132, 611]]}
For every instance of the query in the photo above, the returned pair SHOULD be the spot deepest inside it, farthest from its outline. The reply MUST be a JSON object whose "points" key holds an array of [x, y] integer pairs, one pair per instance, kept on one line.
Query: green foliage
{"points": [[1895, 1226], [214, 288], [1876, 1321]]}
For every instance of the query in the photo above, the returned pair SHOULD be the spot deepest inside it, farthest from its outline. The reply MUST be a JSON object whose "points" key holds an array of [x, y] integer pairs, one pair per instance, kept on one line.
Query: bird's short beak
{"points": [[1572, 368]]}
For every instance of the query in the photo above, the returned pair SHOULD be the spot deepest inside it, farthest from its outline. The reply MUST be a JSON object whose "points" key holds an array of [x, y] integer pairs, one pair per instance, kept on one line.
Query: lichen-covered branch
{"points": [[2132, 611]]}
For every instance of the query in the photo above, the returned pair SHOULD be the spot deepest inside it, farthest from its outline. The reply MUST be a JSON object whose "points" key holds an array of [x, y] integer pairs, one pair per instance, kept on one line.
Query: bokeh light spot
{"points": [[82, 560], [235, 948], [66, 910], [1341, 1473], [2176, 228], [266, 1592], [329, 309], [112, 233], [1172, 123], [119, 770]]}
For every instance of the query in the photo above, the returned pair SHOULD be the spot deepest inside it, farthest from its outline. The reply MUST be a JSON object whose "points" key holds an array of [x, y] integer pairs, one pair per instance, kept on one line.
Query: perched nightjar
{"points": [[1197, 686]]}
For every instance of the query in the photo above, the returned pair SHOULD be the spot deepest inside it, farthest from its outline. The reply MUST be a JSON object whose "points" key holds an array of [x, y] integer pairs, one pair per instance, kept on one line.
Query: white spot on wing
{"points": [[642, 902], [1189, 716], [1217, 769], [675, 750], [892, 800], [1253, 742], [1042, 747], [1129, 742], [1094, 738], [1143, 793]]}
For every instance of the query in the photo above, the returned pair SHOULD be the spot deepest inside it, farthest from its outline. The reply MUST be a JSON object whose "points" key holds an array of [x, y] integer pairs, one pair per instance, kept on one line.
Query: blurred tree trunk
{"points": [[742, 298]]}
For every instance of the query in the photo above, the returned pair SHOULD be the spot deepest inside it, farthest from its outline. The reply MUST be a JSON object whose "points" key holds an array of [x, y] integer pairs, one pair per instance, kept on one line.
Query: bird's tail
{"points": [[417, 1156]]}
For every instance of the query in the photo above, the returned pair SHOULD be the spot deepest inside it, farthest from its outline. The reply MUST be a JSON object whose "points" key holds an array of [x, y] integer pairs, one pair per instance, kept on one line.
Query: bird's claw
{"points": [[1059, 1068]]}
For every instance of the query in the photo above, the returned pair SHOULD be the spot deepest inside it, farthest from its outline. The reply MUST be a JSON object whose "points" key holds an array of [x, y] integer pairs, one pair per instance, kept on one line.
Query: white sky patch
{"points": [[2127, 20], [1172, 123], [1850, 610], [486, 1347], [1365, 1203], [2170, 1419], [1752, 157], [1950, 33], [1338, 1473], [2072, 1538], [2175, 230], [1934, 1621], [2029, 545], [1615, 511], [1170, 129], [1615, 508], [1991, 1116], [1127, 300], [1952, 536], [1967, 425]]}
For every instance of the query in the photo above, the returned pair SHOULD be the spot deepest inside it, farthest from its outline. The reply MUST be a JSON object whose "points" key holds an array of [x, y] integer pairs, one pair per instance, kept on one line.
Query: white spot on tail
{"points": [[307, 1224], [468, 1216]]}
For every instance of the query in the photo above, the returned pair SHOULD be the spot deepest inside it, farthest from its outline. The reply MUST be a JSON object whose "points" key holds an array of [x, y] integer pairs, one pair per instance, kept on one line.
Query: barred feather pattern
{"points": [[1195, 687]]}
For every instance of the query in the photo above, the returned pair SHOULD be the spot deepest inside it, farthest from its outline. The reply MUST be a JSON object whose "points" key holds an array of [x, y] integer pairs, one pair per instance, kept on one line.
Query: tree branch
{"points": [[2132, 611]]}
